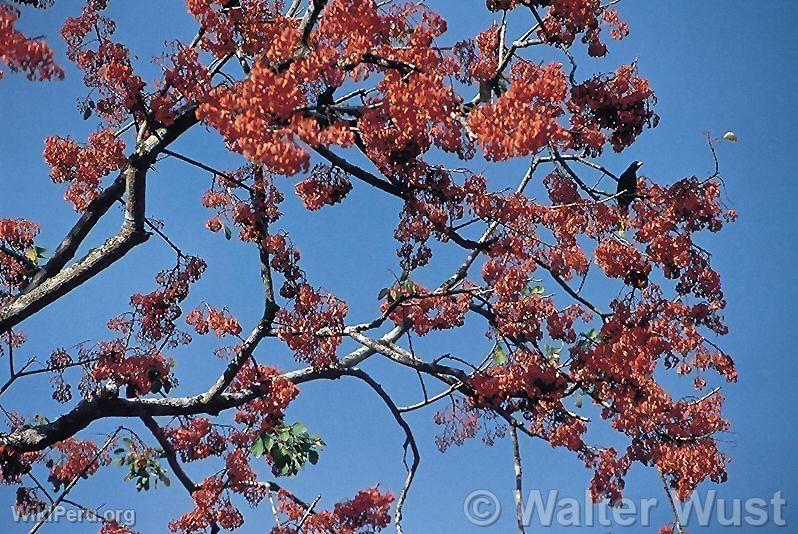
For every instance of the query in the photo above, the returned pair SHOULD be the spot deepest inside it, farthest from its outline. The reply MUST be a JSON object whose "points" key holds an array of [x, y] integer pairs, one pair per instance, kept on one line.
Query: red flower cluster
{"points": [[464, 421], [260, 117], [112, 527], [502, 5], [196, 439], [424, 311], [58, 362], [525, 117], [267, 410], [252, 217], [325, 186], [352, 28], [621, 103], [80, 458], [219, 321], [568, 18], [608, 481], [157, 312], [622, 260], [106, 68], [313, 328], [17, 236], [369, 511], [690, 463], [142, 373], [568, 435], [285, 259], [241, 478], [28, 502], [13, 464], [186, 78], [84, 167], [210, 508], [528, 376], [19, 53], [218, 25]]}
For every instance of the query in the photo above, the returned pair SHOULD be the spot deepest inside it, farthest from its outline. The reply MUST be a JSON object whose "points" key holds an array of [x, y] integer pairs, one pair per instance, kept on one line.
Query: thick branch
{"points": [[100, 205], [28, 439], [53, 281], [169, 453]]}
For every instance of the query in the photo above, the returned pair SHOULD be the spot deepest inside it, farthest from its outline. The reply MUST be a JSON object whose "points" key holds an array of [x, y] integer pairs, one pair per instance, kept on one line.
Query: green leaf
{"points": [[297, 429], [228, 234], [258, 447], [313, 457], [383, 293], [499, 355], [278, 456]]}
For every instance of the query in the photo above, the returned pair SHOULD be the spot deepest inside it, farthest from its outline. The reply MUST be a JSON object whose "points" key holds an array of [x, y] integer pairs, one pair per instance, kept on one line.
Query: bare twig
{"points": [[518, 492], [74, 481]]}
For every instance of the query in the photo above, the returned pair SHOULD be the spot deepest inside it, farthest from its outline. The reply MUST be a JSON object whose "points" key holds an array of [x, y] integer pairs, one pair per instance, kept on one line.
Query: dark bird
{"points": [[627, 189], [231, 4]]}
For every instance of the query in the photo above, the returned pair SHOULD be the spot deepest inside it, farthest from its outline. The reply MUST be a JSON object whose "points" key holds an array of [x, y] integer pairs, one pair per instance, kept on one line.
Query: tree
{"points": [[358, 93]]}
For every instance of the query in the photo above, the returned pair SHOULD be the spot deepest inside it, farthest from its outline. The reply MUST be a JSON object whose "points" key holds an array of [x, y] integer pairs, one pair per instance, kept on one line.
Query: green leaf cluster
{"points": [[289, 447]]}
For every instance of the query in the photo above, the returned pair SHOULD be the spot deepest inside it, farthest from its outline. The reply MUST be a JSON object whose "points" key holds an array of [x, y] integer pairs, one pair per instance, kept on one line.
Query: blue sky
{"points": [[715, 65]]}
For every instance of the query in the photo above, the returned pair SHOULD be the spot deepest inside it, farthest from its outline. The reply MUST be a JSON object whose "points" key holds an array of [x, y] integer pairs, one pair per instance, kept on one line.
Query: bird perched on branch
{"points": [[627, 190]]}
